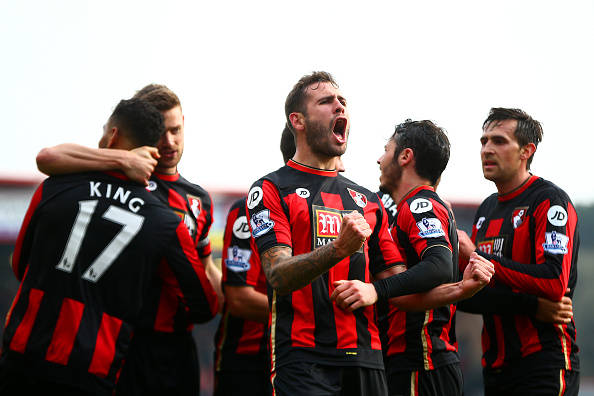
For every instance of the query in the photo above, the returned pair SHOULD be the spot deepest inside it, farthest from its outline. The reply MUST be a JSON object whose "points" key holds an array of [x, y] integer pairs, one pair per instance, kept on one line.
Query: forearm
{"points": [[246, 303], [287, 273], [214, 275], [490, 301], [73, 158], [438, 297], [435, 269]]}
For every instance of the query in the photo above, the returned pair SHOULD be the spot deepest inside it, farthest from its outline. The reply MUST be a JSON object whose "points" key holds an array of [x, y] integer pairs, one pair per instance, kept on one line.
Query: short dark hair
{"points": [[287, 144], [527, 131], [429, 143], [139, 121], [295, 102], [160, 96]]}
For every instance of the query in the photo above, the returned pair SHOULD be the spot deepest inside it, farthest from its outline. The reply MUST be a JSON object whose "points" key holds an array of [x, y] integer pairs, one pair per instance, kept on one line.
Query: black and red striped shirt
{"points": [[416, 341], [532, 237], [241, 344], [193, 204], [302, 208], [89, 246]]}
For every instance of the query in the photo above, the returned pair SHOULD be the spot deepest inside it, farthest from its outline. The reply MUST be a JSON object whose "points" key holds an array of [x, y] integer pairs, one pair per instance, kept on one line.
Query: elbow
{"points": [[556, 291], [275, 281], [44, 159]]}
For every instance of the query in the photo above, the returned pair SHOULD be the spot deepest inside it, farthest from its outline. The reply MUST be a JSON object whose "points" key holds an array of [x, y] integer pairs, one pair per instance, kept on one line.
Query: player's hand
{"points": [[465, 245], [555, 312], [141, 164], [354, 230], [477, 274], [353, 294]]}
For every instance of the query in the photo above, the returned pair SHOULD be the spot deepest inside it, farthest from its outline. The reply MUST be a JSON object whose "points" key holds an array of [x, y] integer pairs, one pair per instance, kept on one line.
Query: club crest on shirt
{"points": [[360, 199], [492, 246], [430, 228], [518, 216], [555, 243], [188, 220], [261, 223], [238, 259], [326, 225], [195, 204]]}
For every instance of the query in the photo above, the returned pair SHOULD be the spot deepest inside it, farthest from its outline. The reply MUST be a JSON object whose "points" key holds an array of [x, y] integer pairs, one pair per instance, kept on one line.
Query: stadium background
{"points": [[15, 195]]}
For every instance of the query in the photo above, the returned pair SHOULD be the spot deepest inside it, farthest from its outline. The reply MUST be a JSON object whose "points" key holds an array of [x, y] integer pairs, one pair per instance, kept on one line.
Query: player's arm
{"points": [[137, 164], [477, 274], [492, 301], [287, 273], [187, 278], [434, 269], [214, 276], [247, 303], [549, 278]]}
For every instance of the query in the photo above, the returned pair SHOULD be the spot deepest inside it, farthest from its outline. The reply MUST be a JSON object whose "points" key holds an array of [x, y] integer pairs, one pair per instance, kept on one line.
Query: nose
{"points": [[339, 107], [166, 139]]}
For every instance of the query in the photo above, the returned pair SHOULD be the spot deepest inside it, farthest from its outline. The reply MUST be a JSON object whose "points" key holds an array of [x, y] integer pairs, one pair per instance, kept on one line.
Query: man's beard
{"points": [[319, 139], [391, 177]]}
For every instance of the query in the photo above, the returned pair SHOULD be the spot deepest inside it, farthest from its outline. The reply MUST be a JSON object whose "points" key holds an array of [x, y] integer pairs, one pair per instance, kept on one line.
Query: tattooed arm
{"points": [[287, 273]]}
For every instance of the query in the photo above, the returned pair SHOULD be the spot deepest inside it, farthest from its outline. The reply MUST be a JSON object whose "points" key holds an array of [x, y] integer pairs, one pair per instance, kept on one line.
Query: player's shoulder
{"points": [[548, 190]]}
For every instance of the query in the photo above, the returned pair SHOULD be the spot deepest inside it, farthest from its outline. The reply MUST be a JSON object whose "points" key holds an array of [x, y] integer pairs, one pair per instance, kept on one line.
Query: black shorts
{"points": [[245, 383], [313, 379], [529, 381], [446, 380], [160, 364]]}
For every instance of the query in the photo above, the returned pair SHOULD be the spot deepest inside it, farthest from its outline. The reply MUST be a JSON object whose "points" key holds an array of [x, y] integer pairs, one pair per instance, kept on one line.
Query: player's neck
{"points": [[512, 184], [408, 183]]}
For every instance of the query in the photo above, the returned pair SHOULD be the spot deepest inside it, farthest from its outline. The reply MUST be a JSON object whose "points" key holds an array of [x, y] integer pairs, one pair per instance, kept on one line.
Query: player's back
{"points": [[89, 246]]}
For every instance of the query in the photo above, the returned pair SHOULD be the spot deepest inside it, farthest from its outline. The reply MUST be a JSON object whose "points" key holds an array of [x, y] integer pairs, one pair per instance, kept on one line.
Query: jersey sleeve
{"points": [[268, 221], [20, 257], [556, 241], [240, 264], [383, 252], [492, 301], [185, 275], [203, 245]]}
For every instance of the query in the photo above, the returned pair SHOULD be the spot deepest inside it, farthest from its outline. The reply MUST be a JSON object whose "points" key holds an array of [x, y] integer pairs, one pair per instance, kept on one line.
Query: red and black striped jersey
{"points": [[414, 341], [241, 344], [302, 208], [89, 246], [193, 205], [532, 237]]}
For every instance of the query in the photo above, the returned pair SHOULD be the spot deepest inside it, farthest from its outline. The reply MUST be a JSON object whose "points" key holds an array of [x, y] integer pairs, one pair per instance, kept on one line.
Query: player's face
{"points": [[171, 145], [391, 170], [500, 152], [327, 120]]}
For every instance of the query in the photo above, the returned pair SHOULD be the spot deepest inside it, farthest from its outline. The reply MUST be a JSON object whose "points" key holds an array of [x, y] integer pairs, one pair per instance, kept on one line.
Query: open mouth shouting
{"points": [[340, 129]]}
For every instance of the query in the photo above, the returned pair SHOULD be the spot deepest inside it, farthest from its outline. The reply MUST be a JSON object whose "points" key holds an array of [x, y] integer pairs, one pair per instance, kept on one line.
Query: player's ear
{"points": [[405, 156], [297, 121], [527, 151], [113, 138]]}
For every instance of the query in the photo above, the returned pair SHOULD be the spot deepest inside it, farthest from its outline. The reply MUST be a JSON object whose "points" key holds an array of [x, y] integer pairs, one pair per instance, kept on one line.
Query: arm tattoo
{"points": [[287, 273]]}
